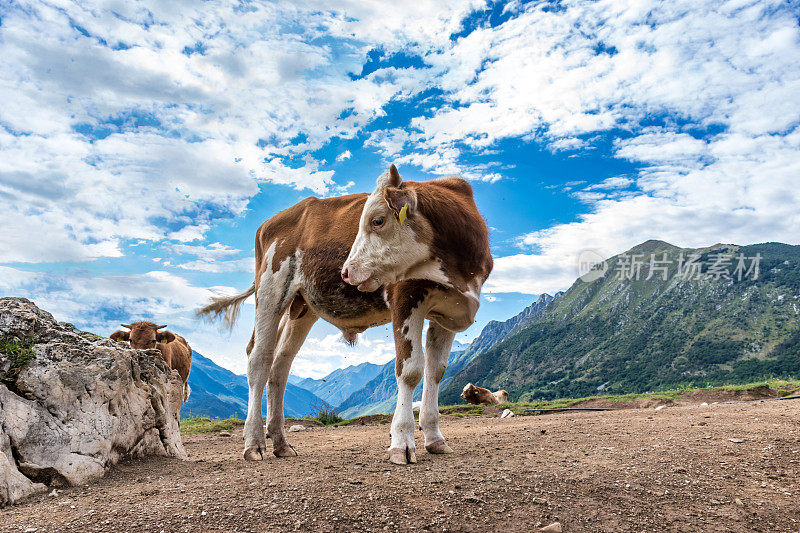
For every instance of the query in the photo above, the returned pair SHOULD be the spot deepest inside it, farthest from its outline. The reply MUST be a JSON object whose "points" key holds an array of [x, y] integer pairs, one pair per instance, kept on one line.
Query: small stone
{"points": [[297, 427], [508, 413], [54, 493], [555, 527], [203, 513], [660, 407], [737, 441], [224, 433], [704, 404], [472, 498], [31, 530], [539, 501]]}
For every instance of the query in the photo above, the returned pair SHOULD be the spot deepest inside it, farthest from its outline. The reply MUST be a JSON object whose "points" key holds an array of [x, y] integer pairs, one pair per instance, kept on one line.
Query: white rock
{"points": [[80, 405], [508, 413], [297, 427], [660, 407], [704, 404], [555, 527]]}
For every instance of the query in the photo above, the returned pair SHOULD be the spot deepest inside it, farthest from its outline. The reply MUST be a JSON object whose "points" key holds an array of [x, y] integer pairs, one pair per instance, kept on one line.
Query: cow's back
{"points": [[179, 356]]}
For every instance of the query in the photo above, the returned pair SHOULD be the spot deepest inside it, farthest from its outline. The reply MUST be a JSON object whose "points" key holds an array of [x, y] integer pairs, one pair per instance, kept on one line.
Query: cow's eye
{"points": [[377, 222]]}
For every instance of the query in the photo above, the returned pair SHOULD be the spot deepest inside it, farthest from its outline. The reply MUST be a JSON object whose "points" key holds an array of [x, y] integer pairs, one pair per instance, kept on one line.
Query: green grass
{"points": [[784, 388], [20, 353], [204, 424], [326, 416]]}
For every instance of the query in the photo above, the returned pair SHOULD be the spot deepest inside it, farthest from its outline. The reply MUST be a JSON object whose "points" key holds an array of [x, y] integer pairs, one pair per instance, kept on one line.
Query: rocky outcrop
{"points": [[72, 404]]}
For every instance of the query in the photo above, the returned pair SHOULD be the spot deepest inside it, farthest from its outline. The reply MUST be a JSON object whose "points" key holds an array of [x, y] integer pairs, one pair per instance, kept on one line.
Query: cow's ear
{"points": [[401, 202], [120, 335], [165, 336], [389, 179], [394, 177]]}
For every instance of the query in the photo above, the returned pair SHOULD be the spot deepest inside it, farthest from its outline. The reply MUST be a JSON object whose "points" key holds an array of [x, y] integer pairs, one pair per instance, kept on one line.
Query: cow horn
{"points": [[161, 327], [125, 326]]}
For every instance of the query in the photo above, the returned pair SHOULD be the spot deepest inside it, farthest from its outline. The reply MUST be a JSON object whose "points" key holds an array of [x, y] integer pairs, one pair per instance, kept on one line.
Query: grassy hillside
{"points": [[634, 335]]}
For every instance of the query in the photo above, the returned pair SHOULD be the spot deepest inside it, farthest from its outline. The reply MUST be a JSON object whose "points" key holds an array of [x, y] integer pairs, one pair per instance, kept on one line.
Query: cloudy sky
{"points": [[143, 142]]}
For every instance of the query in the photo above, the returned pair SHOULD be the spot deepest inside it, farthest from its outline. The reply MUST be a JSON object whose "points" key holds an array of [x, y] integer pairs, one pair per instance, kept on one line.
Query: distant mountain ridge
{"points": [[626, 333], [341, 383], [219, 393]]}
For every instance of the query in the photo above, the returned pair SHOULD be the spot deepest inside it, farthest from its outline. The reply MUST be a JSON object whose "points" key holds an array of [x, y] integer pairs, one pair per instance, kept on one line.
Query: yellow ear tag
{"points": [[401, 217], [163, 341]]}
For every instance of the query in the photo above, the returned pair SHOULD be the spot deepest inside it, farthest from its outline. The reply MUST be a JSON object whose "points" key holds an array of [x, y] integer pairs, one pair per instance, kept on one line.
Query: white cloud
{"points": [[117, 123], [344, 156]]}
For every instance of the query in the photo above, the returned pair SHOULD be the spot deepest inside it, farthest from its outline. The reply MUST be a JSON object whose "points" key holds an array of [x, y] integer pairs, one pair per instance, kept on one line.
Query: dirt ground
{"points": [[718, 467]]}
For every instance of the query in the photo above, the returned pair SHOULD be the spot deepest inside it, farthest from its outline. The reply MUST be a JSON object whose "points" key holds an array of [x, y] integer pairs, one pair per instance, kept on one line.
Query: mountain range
{"points": [[656, 317], [219, 393]]}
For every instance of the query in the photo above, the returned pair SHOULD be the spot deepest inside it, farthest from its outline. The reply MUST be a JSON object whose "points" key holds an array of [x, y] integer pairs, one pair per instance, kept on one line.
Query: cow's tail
{"points": [[226, 306]]}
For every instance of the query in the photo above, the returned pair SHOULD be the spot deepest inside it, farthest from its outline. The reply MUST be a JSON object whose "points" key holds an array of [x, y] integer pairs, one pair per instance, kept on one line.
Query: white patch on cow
{"points": [[431, 270], [271, 296], [437, 349], [402, 429]]}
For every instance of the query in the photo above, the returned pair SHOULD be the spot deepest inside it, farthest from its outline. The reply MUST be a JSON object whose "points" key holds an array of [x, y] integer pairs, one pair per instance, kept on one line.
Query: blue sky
{"points": [[142, 143]]}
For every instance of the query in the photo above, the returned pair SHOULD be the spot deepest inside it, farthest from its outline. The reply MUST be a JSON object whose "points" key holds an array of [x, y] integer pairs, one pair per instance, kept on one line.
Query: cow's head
{"points": [[143, 335], [390, 236], [469, 393]]}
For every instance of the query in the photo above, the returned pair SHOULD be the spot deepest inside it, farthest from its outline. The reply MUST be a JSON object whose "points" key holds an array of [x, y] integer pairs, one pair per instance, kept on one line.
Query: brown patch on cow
{"points": [[325, 290], [403, 298]]}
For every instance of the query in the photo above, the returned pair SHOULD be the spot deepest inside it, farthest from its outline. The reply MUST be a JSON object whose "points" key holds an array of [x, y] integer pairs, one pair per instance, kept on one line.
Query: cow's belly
{"points": [[331, 298]]}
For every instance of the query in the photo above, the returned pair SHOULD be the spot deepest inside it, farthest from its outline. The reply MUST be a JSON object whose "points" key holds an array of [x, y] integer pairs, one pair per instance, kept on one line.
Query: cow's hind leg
{"points": [[293, 333], [409, 367], [272, 299], [437, 349]]}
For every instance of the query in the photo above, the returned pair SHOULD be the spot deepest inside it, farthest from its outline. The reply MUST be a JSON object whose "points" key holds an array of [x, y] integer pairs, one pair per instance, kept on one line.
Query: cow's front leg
{"points": [[259, 363], [437, 350], [408, 369]]}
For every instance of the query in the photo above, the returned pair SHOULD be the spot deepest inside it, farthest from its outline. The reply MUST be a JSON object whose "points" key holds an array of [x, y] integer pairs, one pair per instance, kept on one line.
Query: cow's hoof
{"points": [[285, 451], [440, 446], [253, 453], [402, 456]]}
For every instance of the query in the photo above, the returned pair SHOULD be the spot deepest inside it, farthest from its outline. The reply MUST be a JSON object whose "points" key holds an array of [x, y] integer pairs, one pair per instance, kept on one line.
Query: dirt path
{"points": [[688, 468]]}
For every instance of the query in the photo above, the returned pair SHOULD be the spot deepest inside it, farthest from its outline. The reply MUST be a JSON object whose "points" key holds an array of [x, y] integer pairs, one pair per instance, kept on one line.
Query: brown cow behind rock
{"points": [[480, 396], [174, 348]]}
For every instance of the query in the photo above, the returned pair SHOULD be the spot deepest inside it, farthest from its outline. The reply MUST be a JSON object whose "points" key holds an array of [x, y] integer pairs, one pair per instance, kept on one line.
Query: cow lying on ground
{"points": [[407, 252], [174, 348], [480, 396]]}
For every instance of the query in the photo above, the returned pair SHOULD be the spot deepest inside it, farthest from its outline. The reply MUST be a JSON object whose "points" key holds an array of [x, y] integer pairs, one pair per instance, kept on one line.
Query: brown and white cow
{"points": [[407, 252], [480, 396], [174, 349]]}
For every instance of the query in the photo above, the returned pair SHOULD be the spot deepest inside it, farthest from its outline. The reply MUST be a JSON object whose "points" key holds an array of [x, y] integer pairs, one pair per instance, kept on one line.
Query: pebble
{"points": [[555, 527], [224, 433], [737, 441], [508, 413], [54, 493], [660, 407], [297, 427]]}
